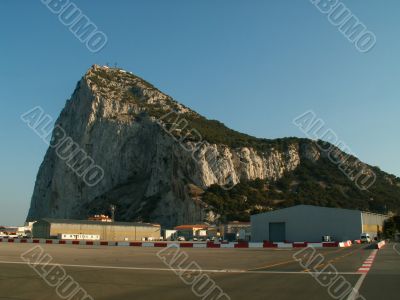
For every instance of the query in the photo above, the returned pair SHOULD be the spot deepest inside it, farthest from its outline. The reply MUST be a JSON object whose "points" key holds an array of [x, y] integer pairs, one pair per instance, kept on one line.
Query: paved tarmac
{"points": [[141, 273]]}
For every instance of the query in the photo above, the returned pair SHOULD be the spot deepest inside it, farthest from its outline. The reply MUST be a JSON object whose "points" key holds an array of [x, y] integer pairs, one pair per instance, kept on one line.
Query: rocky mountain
{"points": [[162, 162]]}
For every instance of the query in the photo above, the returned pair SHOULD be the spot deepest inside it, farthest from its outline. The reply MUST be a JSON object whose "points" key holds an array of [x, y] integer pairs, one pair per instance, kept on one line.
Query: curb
{"points": [[367, 264], [212, 245]]}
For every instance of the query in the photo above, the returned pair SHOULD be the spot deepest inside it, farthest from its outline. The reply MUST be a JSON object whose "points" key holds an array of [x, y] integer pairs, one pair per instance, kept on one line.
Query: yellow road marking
{"points": [[332, 260], [274, 265], [287, 262]]}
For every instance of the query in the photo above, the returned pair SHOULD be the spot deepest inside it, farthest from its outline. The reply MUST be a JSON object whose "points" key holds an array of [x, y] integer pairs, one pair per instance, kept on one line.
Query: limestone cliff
{"points": [[157, 155]]}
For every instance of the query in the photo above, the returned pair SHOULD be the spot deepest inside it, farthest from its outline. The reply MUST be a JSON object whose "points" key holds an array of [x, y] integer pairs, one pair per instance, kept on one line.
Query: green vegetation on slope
{"points": [[320, 183], [391, 227]]}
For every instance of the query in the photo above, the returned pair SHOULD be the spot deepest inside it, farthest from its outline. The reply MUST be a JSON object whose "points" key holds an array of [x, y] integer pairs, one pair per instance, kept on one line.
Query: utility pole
{"points": [[113, 208]]}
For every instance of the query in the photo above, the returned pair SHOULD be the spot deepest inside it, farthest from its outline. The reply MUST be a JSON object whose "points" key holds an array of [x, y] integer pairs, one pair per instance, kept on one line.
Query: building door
{"points": [[277, 232]]}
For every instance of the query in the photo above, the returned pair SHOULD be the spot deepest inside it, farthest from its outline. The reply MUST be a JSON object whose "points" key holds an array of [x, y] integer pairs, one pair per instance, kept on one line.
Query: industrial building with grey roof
{"points": [[108, 231], [310, 223]]}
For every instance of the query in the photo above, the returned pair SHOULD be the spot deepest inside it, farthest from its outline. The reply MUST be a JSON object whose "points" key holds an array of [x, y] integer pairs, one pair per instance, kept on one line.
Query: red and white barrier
{"points": [[380, 244], [345, 244], [224, 245], [257, 245]]}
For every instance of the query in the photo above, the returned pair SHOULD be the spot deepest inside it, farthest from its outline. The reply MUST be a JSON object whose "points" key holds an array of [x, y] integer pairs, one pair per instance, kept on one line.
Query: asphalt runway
{"points": [[141, 273]]}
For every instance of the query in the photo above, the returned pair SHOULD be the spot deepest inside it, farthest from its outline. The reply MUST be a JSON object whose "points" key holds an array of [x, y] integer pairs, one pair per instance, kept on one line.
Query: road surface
{"points": [[139, 273]]}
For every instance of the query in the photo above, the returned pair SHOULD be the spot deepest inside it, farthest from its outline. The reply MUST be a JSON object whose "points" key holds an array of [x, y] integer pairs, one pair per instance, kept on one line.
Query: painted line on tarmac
{"points": [[274, 265], [356, 288], [364, 269], [225, 271], [280, 263], [331, 261], [367, 264], [395, 246]]}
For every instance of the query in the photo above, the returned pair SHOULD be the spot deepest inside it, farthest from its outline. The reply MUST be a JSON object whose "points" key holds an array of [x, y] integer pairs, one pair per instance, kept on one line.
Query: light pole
{"points": [[113, 208]]}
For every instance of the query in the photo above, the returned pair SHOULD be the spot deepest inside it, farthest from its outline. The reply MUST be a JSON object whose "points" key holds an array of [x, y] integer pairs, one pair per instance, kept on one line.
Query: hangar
{"points": [[115, 231], [310, 223]]}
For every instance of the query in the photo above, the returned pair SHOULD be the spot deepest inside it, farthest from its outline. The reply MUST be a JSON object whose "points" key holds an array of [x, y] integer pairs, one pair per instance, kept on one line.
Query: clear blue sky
{"points": [[253, 65]]}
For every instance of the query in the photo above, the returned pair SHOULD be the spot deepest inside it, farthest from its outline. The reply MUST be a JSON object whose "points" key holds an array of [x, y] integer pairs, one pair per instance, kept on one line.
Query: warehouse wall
{"points": [[309, 223], [108, 232], [372, 223]]}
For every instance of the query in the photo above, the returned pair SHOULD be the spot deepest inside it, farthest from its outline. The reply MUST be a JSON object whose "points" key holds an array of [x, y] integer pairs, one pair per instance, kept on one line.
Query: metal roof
{"points": [[319, 207], [88, 222], [181, 227]]}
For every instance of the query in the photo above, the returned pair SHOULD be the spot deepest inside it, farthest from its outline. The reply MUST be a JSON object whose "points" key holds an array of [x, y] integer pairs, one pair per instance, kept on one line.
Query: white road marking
{"points": [[231, 271], [364, 269], [395, 246], [355, 291]]}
